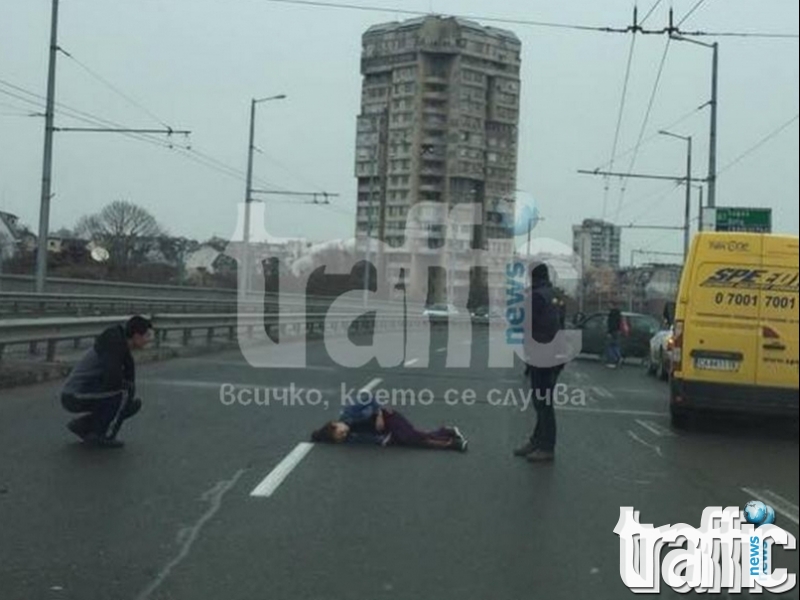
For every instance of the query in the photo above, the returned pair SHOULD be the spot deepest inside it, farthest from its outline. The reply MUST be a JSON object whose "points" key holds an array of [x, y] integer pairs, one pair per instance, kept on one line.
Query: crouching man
{"points": [[102, 384]]}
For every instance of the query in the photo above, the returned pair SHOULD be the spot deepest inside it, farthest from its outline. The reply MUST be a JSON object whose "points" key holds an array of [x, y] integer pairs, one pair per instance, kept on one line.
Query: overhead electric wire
{"points": [[741, 34], [619, 116], [643, 128], [512, 21], [659, 194], [187, 151], [757, 145], [651, 11], [420, 13], [651, 137], [115, 89], [692, 10], [647, 209]]}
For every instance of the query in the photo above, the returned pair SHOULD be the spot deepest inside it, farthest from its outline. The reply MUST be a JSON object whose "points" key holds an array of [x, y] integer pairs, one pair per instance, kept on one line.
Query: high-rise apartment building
{"points": [[439, 112], [597, 243]]}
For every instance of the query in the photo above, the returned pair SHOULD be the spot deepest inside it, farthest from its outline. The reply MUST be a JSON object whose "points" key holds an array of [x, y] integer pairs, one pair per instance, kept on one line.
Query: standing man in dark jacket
{"points": [[102, 384], [543, 321]]}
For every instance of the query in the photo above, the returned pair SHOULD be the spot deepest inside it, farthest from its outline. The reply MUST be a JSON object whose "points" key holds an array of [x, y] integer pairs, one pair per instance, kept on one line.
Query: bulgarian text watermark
{"points": [[296, 396]]}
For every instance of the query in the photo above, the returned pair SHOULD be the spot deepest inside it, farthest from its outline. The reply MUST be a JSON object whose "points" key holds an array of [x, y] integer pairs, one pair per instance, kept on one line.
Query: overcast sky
{"points": [[195, 64]]}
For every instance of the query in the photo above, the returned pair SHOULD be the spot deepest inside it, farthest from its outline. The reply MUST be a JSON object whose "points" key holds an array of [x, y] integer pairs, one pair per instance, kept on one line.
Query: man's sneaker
{"points": [[524, 450], [459, 444], [455, 432], [538, 456]]}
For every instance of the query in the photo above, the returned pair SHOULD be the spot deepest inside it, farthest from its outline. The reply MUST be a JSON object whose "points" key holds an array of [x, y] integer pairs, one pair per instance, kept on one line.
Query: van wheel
{"points": [[680, 418]]}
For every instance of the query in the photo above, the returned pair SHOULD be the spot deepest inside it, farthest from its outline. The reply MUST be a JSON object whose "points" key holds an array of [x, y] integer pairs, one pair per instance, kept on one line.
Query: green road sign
{"points": [[754, 220]]}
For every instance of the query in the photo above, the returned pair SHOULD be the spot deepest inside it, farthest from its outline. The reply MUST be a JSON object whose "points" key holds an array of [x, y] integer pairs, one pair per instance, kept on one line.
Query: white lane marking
{"points": [[218, 384], [370, 386], [602, 392], [579, 375], [779, 503], [188, 535], [635, 391], [271, 482], [612, 411], [243, 363], [410, 362], [656, 449], [655, 428], [442, 349]]}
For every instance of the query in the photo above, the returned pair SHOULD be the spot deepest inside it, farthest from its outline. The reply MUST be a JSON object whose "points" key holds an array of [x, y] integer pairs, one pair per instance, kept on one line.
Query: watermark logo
{"points": [[428, 224], [732, 549], [522, 399], [526, 216], [757, 513]]}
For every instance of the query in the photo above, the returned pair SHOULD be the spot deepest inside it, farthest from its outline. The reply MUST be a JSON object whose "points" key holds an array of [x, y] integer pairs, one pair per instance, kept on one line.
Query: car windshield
{"points": [[319, 299]]}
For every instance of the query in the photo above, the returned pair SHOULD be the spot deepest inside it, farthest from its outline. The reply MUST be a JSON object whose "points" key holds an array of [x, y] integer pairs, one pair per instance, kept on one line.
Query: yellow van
{"points": [[736, 326]]}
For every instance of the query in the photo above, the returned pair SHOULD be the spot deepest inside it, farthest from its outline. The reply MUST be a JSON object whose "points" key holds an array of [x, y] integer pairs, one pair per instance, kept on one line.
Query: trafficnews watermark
{"points": [[731, 550]]}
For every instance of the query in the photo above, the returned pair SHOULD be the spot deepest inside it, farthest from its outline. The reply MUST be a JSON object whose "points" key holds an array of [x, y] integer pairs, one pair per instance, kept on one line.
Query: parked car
{"points": [[634, 345], [660, 358], [440, 311], [483, 314]]}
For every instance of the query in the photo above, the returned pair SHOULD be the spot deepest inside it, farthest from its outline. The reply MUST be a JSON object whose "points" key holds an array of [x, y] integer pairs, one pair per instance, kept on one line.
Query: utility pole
{"points": [[47, 162], [712, 147], [688, 206], [244, 279], [700, 208], [714, 102], [377, 169], [368, 258]]}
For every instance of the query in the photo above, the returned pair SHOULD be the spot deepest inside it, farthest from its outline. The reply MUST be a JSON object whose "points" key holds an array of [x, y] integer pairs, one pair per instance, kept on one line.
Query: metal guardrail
{"points": [[28, 303], [51, 331]]}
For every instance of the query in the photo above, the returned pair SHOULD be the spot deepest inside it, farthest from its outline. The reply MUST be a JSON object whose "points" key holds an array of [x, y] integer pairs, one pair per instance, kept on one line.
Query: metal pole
{"points": [[367, 269], [528, 251], [244, 279], [700, 214], [47, 163], [688, 208], [712, 143]]}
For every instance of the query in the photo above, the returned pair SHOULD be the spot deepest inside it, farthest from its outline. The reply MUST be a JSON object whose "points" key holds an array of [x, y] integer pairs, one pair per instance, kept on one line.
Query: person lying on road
{"points": [[370, 423]]}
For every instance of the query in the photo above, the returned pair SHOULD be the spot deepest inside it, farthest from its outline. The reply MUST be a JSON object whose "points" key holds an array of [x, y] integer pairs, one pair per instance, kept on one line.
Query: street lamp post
{"points": [[712, 134], [688, 206], [244, 280], [699, 188]]}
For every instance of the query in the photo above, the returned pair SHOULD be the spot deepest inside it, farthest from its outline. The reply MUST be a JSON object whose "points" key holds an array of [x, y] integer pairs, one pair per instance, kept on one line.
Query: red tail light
{"points": [[677, 347]]}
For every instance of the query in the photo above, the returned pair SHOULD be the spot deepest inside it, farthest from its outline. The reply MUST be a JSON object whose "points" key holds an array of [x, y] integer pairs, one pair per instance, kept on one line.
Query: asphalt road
{"points": [[171, 516]]}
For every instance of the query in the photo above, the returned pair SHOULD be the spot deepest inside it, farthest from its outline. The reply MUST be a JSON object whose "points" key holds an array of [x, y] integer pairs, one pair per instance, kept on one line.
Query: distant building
{"points": [[60, 245], [439, 123], [597, 243], [14, 237]]}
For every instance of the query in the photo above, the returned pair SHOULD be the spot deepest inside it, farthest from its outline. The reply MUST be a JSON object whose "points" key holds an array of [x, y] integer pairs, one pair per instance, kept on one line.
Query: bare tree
{"points": [[125, 229]]}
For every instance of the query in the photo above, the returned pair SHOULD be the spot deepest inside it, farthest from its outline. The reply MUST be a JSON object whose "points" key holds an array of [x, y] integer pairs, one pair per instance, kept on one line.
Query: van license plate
{"points": [[716, 364]]}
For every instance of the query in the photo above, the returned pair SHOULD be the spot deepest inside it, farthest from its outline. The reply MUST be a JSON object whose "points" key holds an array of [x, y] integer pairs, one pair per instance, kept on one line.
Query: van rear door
{"points": [[720, 329], [778, 345]]}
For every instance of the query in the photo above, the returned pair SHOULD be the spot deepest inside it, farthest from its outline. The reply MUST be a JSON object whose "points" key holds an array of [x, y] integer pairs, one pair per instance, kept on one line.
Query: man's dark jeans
{"points": [[105, 411], [543, 383]]}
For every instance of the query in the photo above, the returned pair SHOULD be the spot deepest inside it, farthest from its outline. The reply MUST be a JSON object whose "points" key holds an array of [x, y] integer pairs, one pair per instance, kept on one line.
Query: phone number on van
{"points": [[779, 302]]}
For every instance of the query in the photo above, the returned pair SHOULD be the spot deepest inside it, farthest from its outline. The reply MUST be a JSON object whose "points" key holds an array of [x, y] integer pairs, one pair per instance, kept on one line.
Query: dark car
{"points": [[634, 345]]}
